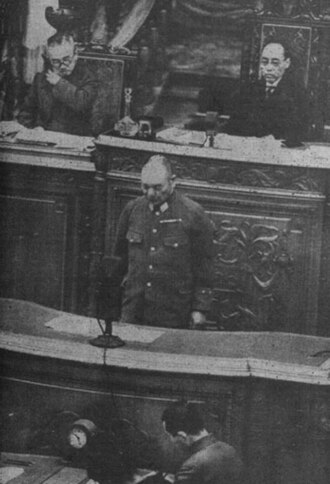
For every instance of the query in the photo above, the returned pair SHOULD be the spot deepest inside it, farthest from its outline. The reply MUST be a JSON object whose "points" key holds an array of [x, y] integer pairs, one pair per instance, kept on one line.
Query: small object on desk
{"points": [[126, 126], [148, 126], [17, 462], [210, 127], [292, 143]]}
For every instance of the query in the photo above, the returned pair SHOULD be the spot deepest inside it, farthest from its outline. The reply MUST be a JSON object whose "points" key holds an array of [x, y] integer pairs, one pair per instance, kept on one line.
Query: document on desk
{"points": [[8, 128], [83, 326], [246, 144], [54, 138], [182, 136]]}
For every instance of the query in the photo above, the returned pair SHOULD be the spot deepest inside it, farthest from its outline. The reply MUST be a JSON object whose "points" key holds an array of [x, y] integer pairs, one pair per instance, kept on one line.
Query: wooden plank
{"points": [[68, 475]]}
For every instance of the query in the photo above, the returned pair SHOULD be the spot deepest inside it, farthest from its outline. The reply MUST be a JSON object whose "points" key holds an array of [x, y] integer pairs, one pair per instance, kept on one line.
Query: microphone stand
{"points": [[109, 292], [107, 339]]}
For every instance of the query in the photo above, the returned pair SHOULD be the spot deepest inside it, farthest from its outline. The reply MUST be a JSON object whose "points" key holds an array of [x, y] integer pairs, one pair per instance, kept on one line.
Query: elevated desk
{"points": [[266, 393], [270, 206]]}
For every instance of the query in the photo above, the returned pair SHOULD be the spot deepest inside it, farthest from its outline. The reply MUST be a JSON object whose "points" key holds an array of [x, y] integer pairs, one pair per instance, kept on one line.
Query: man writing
{"points": [[210, 461], [165, 248], [61, 97], [276, 104]]}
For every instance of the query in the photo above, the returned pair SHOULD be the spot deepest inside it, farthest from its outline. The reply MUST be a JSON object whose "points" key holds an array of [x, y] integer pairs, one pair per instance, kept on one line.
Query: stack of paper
{"points": [[8, 128], [54, 138], [182, 136]]}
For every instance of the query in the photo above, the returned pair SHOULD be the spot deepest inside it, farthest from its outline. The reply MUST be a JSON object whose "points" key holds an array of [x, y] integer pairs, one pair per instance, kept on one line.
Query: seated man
{"points": [[210, 461], [276, 104], [165, 248], [61, 97]]}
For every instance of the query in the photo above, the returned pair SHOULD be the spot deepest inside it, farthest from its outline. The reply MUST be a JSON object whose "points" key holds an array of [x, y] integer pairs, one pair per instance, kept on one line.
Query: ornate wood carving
{"points": [[225, 172], [252, 259], [312, 10]]}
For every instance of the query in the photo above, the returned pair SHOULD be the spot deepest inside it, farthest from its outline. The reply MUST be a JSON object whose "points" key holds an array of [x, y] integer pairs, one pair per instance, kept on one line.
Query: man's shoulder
{"points": [[137, 202], [216, 451], [188, 203], [40, 78], [292, 83]]}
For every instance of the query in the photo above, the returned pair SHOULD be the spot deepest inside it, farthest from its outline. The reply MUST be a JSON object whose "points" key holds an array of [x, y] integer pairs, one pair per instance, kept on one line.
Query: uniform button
{"points": [[157, 213], [176, 244], [148, 284], [154, 231], [151, 267], [152, 249]]}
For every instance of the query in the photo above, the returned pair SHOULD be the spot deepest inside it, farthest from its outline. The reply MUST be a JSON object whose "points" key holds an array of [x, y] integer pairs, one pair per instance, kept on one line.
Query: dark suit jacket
{"points": [[211, 462], [284, 113], [65, 107]]}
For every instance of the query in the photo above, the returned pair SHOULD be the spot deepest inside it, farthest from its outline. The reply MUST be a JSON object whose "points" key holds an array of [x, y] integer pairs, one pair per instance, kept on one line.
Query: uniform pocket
{"points": [[176, 241], [134, 237]]}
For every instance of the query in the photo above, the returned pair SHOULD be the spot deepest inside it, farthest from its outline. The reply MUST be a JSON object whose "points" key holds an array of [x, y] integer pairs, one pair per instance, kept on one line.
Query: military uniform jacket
{"points": [[211, 462], [168, 259], [65, 107]]}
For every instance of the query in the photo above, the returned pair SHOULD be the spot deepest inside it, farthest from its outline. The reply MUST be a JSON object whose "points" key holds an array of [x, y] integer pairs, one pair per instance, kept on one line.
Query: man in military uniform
{"points": [[165, 247], [61, 98]]}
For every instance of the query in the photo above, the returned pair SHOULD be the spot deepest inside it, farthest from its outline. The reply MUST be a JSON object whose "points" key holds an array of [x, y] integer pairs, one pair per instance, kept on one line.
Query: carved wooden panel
{"points": [[268, 252], [267, 263], [226, 172]]}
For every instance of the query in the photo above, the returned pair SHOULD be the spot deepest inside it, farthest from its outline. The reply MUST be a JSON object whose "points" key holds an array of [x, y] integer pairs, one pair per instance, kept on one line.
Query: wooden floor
{"points": [[39, 470]]}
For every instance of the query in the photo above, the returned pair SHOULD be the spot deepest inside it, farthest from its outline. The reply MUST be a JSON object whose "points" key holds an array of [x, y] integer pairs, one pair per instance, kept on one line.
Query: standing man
{"points": [[165, 246], [210, 461], [276, 104], [61, 97]]}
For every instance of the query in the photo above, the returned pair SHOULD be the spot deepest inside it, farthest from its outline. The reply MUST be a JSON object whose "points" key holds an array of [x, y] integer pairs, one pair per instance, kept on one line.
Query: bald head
{"points": [[157, 180]]}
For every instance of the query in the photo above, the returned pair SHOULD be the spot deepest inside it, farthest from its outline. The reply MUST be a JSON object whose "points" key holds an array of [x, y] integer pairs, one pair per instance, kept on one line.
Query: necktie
{"points": [[269, 91]]}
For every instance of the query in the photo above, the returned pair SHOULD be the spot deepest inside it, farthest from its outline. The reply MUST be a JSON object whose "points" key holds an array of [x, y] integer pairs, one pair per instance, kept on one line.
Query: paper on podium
{"points": [[84, 326], [54, 138], [182, 136], [246, 144], [10, 127]]}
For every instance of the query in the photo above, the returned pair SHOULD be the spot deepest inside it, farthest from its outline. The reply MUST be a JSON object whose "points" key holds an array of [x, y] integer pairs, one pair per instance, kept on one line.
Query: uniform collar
{"points": [[164, 206]]}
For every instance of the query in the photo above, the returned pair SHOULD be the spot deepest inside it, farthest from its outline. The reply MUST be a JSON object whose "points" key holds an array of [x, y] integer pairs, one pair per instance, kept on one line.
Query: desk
{"points": [[265, 393], [39, 469], [271, 209], [47, 202]]}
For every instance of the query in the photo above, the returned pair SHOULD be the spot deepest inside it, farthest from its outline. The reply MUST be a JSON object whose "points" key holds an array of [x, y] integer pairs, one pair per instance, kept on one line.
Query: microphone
{"points": [[108, 300], [107, 339]]}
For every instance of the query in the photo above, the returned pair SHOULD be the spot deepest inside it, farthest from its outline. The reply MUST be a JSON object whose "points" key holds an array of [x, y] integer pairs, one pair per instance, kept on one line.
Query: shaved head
{"points": [[157, 180]]}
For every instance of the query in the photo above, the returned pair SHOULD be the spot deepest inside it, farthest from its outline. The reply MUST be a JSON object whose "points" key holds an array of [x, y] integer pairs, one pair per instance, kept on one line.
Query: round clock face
{"points": [[77, 438]]}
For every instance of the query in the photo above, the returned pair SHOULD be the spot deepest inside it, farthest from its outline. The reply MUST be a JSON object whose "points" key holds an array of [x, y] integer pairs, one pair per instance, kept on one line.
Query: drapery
{"points": [[36, 33], [201, 12]]}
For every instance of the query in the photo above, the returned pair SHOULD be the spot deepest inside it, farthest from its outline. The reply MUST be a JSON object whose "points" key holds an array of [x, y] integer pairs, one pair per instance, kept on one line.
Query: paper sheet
{"points": [[9, 127], [89, 327], [182, 136], [54, 138]]}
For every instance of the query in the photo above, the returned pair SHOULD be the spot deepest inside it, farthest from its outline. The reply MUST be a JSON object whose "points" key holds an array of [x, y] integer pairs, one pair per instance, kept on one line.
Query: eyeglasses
{"points": [[64, 61]]}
